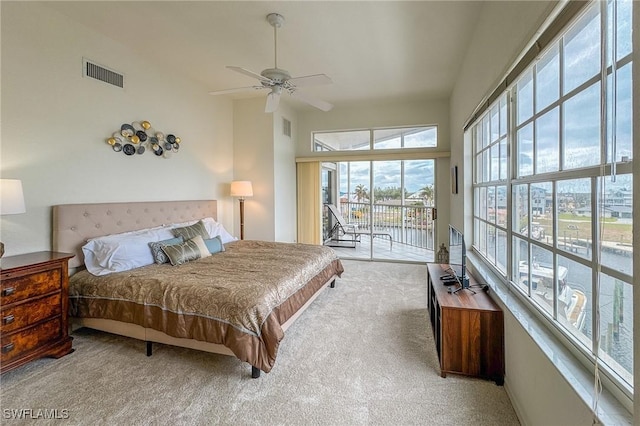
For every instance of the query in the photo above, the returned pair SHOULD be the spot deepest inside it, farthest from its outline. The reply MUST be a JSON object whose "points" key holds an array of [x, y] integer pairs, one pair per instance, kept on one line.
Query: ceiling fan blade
{"points": [[315, 102], [310, 80], [273, 100], [250, 74], [236, 90]]}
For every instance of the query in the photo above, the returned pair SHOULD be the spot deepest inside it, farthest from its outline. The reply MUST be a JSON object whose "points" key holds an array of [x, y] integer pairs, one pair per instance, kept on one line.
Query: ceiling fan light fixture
{"points": [[273, 100]]}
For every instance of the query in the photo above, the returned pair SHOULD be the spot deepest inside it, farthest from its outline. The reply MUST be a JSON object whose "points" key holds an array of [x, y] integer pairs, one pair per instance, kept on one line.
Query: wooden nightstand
{"points": [[34, 305]]}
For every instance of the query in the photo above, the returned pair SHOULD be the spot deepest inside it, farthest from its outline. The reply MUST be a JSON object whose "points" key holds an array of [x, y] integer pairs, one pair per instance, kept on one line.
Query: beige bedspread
{"points": [[238, 298]]}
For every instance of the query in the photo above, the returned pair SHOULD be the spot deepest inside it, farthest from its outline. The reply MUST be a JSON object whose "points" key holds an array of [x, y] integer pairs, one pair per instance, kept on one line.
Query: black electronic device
{"points": [[458, 257]]}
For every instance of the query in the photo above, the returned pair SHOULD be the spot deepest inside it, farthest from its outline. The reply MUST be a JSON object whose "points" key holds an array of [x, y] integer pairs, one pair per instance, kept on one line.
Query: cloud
{"points": [[387, 174]]}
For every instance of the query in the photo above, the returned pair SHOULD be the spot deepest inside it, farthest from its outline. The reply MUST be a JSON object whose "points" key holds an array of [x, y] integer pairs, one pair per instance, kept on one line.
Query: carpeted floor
{"points": [[362, 354]]}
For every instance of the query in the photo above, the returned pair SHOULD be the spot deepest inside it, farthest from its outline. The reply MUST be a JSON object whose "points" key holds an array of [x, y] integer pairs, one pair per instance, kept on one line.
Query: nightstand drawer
{"points": [[30, 285], [17, 344], [24, 314]]}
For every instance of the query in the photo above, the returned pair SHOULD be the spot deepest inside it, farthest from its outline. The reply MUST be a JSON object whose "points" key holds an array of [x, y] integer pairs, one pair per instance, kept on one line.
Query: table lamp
{"points": [[241, 189], [11, 200]]}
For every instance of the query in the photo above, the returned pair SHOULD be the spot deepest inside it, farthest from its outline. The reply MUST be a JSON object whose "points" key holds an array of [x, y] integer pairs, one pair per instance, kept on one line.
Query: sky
{"points": [[387, 174]]}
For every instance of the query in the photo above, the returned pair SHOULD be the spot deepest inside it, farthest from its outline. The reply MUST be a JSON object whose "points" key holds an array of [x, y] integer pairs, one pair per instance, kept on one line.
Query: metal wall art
{"points": [[139, 136]]}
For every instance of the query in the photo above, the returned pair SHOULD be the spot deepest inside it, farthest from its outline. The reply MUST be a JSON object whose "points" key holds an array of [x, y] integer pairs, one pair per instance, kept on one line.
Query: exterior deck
{"points": [[382, 250], [410, 229]]}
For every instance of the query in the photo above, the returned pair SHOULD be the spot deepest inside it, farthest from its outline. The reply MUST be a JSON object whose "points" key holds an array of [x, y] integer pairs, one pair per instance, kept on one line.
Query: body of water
{"points": [[619, 345]]}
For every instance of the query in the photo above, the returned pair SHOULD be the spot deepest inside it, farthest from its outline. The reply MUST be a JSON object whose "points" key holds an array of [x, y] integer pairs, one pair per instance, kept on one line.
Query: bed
{"points": [[237, 302]]}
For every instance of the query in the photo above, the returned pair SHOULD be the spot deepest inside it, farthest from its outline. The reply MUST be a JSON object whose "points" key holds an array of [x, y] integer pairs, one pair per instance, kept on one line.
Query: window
{"points": [[569, 207], [393, 196], [490, 210], [377, 139], [341, 141], [386, 182]]}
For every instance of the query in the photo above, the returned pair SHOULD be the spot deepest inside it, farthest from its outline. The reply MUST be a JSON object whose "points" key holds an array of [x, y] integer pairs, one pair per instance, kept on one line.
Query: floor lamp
{"points": [[241, 189]]}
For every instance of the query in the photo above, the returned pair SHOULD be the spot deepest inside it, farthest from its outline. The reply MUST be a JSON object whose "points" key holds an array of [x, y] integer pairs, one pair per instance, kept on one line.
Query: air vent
{"points": [[101, 73], [286, 127]]}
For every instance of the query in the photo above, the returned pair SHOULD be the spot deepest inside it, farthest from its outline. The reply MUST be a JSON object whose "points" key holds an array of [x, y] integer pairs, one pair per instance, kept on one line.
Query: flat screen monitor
{"points": [[458, 256]]}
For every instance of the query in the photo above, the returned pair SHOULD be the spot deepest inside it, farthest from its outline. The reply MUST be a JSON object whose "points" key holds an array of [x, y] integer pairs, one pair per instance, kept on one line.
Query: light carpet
{"points": [[362, 354]]}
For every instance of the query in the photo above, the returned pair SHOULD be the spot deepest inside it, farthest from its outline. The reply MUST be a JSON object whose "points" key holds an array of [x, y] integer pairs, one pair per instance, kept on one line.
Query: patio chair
{"points": [[342, 227]]}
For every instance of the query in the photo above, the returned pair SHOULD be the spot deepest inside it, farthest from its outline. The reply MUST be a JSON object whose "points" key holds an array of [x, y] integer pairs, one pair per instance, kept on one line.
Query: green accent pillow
{"points": [[156, 249], [214, 245], [192, 231], [185, 252]]}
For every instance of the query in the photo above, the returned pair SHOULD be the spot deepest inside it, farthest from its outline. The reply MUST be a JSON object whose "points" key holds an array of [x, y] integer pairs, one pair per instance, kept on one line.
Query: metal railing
{"points": [[410, 225]]}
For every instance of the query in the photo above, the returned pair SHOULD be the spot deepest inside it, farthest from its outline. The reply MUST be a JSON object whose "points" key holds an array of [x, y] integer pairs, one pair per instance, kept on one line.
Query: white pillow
{"points": [[213, 228], [128, 250], [122, 252]]}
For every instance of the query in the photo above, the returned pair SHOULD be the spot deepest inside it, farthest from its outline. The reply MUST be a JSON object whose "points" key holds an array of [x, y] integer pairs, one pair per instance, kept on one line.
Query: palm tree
{"points": [[427, 194], [361, 192]]}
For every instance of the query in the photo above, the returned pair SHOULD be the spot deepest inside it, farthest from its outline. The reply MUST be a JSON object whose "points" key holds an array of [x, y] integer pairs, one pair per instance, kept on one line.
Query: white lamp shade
{"points": [[241, 189], [11, 197]]}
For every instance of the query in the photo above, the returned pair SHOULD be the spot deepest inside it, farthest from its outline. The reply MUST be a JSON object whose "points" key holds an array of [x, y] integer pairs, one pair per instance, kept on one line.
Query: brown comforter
{"points": [[238, 298]]}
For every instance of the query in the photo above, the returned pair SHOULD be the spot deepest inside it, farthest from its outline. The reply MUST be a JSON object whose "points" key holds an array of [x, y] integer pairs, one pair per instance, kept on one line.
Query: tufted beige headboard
{"points": [[73, 224]]}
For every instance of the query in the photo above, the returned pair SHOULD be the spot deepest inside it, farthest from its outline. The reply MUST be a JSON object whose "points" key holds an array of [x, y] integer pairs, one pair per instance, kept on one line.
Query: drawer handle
{"points": [[7, 348], [8, 291], [8, 319]]}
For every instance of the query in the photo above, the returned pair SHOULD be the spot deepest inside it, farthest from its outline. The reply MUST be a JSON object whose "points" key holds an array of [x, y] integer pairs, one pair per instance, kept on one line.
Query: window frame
{"points": [[595, 174], [320, 146]]}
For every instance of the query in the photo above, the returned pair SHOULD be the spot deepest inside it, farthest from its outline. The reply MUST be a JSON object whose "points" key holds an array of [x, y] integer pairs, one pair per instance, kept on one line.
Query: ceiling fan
{"points": [[279, 80]]}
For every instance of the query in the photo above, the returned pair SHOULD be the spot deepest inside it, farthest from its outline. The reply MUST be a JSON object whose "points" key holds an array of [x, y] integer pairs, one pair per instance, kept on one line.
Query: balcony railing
{"points": [[410, 225]]}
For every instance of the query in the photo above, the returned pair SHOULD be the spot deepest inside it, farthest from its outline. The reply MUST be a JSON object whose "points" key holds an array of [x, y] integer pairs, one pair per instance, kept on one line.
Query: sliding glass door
{"points": [[387, 207], [354, 205]]}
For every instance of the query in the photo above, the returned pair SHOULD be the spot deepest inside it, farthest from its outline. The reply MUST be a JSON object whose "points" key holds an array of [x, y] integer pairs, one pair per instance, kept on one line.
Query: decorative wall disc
{"points": [[139, 136]]}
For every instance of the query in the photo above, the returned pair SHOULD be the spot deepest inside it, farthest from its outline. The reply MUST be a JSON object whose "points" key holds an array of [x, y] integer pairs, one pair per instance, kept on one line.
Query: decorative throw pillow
{"points": [[214, 245], [156, 248], [213, 229], [185, 252], [188, 232]]}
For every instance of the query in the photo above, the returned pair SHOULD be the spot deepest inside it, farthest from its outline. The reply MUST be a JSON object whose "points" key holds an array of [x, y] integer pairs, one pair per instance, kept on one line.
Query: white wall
{"points": [[389, 114], [55, 123], [537, 393], [253, 160], [284, 165], [266, 157]]}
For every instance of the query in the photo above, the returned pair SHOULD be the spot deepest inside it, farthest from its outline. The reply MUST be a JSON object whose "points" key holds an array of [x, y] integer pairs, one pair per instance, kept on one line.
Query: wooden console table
{"points": [[468, 328]]}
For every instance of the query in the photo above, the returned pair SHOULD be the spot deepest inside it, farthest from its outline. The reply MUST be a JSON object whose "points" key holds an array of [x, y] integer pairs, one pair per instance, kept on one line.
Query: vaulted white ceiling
{"points": [[374, 51]]}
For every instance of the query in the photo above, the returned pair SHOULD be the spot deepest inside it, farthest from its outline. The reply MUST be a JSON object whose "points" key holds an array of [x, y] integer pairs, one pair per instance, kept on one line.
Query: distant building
{"points": [[616, 204], [539, 200], [619, 197], [618, 212]]}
